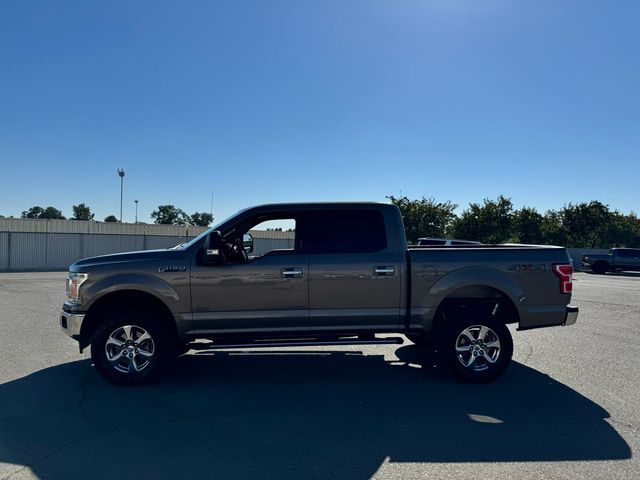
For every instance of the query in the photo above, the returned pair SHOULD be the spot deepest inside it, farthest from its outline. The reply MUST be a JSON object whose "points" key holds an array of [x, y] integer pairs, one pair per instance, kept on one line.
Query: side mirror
{"points": [[213, 249], [247, 242]]}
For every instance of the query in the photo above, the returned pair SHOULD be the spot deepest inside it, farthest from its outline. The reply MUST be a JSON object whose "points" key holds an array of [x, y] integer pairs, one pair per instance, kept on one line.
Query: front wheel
{"points": [[476, 349], [130, 349]]}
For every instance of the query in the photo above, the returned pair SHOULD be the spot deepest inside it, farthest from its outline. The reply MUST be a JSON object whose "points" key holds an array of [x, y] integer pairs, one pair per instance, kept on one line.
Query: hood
{"points": [[140, 256]]}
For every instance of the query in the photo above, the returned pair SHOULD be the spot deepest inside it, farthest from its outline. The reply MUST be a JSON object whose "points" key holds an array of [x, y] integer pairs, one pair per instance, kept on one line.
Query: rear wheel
{"points": [[130, 348], [477, 349], [599, 268]]}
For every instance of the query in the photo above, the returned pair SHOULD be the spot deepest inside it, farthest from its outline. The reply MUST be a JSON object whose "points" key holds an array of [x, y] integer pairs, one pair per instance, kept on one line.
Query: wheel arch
{"points": [[124, 299], [482, 299]]}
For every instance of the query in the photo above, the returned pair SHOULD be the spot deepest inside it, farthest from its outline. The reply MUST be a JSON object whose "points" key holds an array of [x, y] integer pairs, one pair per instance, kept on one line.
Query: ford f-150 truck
{"points": [[347, 278], [617, 260]]}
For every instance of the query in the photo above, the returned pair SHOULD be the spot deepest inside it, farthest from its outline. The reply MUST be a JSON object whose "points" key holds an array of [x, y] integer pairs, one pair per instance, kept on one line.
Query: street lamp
{"points": [[121, 175], [136, 202]]}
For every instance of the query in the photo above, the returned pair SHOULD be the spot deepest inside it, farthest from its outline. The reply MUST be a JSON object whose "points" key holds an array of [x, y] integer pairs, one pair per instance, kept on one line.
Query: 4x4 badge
{"points": [[173, 268]]}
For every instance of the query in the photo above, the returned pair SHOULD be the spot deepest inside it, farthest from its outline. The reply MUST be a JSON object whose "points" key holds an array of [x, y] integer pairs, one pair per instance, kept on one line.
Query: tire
{"points": [[476, 347], [130, 348], [600, 268]]}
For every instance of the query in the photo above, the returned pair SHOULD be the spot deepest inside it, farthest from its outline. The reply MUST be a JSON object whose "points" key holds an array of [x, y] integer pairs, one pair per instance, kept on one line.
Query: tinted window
{"points": [[623, 253], [350, 231]]}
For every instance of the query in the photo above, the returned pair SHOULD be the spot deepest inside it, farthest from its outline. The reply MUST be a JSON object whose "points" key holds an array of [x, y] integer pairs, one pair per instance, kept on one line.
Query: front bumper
{"points": [[71, 323], [571, 317]]}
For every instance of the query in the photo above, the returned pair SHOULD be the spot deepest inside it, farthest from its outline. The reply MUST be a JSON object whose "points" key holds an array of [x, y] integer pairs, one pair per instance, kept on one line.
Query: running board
{"points": [[295, 343]]}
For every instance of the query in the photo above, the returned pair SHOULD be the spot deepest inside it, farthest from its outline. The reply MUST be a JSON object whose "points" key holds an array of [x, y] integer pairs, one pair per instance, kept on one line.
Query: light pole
{"points": [[121, 175], [136, 202]]}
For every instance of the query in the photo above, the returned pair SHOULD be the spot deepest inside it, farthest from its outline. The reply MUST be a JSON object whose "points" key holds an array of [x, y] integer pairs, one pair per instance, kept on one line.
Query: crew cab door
{"points": [[354, 272], [268, 292], [627, 259]]}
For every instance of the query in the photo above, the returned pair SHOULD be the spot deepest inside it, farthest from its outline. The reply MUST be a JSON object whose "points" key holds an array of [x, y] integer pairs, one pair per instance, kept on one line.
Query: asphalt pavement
{"points": [[568, 407]]}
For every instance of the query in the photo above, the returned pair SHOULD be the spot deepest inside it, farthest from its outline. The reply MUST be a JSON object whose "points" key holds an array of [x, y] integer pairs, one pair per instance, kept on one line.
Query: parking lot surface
{"points": [[568, 407]]}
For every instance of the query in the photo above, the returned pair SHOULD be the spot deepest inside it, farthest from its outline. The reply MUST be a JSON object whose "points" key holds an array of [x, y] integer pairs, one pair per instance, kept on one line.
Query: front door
{"points": [[268, 292]]}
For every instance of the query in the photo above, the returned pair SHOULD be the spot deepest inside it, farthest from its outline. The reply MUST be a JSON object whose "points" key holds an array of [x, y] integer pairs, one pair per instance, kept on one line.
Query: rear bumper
{"points": [[571, 316], [71, 323]]}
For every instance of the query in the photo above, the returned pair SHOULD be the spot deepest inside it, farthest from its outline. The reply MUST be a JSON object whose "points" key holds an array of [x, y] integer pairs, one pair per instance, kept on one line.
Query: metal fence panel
{"points": [[154, 241], [4, 250], [28, 251], [62, 250], [263, 245], [103, 244]]}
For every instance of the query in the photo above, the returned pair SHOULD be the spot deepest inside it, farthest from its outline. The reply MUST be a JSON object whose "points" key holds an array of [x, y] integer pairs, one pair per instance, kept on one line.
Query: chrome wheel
{"points": [[477, 347], [129, 349]]}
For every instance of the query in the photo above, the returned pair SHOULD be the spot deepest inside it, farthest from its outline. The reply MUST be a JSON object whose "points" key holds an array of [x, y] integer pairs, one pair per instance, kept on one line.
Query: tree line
{"points": [[164, 215], [581, 225]]}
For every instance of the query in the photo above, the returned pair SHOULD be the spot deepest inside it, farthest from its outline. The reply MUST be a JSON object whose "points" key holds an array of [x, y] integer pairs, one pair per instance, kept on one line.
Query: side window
{"points": [[351, 231], [273, 234], [622, 253]]}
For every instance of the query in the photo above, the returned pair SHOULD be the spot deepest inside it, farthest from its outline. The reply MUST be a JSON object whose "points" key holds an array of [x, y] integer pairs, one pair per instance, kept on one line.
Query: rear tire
{"points": [[475, 346], [600, 268], [131, 348]]}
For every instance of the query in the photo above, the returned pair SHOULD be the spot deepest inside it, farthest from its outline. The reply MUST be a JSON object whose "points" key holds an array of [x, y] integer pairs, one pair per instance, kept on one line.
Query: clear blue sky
{"points": [[301, 100]]}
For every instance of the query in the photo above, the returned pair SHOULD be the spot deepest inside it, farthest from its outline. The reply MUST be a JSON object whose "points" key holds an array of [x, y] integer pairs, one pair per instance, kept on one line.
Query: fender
{"points": [[459, 279], [135, 281]]}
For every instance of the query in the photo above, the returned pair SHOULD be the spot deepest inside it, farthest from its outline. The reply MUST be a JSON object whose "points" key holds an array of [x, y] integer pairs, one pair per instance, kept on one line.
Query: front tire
{"points": [[130, 348], [477, 348]]}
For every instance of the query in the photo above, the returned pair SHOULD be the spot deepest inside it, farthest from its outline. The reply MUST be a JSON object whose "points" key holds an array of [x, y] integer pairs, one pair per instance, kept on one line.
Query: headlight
{"points": [[74, 280]]}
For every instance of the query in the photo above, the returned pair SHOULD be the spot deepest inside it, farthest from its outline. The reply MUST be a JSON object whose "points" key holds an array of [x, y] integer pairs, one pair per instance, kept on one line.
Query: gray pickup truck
{"points": [[617, 260], [348, 277]]}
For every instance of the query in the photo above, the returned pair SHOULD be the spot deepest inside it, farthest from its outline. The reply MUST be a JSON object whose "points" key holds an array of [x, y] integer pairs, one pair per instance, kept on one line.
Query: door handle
{"points": [[384, 271], [291, 272]]}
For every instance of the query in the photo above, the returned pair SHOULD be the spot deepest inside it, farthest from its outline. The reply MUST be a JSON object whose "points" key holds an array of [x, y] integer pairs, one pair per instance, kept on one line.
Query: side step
{"points": [[312, 342]]}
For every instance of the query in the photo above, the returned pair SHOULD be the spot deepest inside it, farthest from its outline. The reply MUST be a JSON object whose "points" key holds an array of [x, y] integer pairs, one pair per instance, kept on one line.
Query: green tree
{"points": [[33, 212], [39, 212], [552, 229], [425, 217], [169, 215], [201, 219], [625, 230], [526, 226], [82, 212], [486, 223], [53, 213], [588, 225], [111, 219]]}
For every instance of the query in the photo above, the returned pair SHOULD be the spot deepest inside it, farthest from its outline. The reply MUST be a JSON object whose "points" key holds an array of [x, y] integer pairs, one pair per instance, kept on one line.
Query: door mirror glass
{"points": [[247, 242]]}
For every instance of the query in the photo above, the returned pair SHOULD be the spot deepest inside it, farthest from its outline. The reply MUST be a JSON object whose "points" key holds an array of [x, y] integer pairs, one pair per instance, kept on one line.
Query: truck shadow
{"points": [[291, 414]]}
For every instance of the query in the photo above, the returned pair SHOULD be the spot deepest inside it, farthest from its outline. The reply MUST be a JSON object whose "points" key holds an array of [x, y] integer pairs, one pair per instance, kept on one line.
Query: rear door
{"points": [[627, 259], [354, 272]]}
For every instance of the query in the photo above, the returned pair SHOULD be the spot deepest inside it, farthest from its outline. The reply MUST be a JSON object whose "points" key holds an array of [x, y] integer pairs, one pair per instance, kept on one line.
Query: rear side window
{"points": [[350, 231]]}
